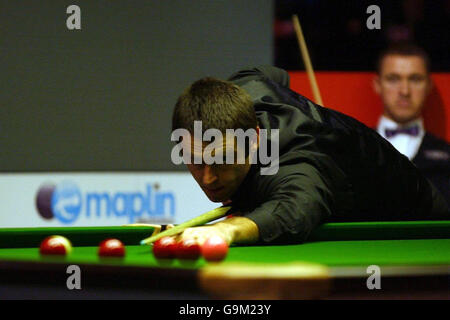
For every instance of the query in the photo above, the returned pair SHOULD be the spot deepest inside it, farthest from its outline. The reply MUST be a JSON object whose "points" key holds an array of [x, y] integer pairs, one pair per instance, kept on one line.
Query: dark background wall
{"points": [[100, 98]]}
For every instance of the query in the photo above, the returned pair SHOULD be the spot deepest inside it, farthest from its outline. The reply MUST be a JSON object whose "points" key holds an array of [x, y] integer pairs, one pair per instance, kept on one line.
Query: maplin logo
{"points": [[67, 203]]}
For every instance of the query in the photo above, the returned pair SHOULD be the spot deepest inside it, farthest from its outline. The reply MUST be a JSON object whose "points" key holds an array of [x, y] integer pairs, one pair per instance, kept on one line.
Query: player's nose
{"points": [[404, 88], [209, 176]]}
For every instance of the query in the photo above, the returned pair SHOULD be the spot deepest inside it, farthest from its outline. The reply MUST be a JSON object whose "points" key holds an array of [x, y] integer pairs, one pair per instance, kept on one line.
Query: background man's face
{"points": [[403, 85]]}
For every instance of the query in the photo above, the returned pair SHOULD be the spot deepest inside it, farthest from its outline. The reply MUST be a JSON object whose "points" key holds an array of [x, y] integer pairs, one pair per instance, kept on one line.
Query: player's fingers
{"points": [[188, 233], [156, 230], [199, 234]]}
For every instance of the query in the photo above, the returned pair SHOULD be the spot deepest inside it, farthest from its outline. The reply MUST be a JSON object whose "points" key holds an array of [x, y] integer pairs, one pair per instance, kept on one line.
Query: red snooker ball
{"points": [[188, 249], [215, 249], [111, 248], [55, 245], [165, 248]]}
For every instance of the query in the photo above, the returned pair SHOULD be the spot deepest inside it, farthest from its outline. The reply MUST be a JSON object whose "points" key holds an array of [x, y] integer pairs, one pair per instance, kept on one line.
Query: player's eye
{"points": [[392, 78], [231, 158], [417, 79], [193, 158]]}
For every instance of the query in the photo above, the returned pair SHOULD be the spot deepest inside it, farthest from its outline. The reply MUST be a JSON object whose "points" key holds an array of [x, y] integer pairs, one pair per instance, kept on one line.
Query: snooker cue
{"points": [[197, 221], [306, 60]]}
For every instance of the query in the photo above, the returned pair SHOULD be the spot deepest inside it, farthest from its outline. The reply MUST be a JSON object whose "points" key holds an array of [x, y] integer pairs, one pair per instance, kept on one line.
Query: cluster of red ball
{"points": [[214, 249], [59, 245]]}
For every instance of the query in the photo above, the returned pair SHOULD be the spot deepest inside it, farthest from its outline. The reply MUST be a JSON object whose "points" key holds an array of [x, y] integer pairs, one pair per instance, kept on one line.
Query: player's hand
{"points": [[201, 234], [233, 230]]}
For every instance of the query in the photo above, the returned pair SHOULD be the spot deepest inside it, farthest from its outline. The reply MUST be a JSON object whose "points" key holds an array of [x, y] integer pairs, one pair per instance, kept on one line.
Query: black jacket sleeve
{"points": [[297, 200]]}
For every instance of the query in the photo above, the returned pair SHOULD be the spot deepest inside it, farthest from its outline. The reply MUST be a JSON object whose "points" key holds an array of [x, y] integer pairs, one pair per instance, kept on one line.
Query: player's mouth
{"points": [[214, 191], [403, 103]]}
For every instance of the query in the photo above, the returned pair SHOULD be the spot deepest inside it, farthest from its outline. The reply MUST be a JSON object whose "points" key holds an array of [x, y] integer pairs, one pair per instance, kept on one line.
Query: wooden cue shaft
{"points": [[306, 60], [197, 221]]}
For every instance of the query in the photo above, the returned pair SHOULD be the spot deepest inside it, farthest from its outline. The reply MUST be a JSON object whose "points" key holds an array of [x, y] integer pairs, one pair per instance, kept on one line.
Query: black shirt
{"points": [[331, 168]]}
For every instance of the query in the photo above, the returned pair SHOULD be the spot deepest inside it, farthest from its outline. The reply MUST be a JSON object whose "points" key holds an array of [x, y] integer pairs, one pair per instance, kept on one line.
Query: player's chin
{"points": [[216, 199], [217, 196], [405, 115]]}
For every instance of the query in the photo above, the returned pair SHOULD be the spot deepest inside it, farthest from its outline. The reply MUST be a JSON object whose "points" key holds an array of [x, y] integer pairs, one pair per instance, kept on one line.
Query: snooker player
{"points": [[403, 83], [331, 167]]}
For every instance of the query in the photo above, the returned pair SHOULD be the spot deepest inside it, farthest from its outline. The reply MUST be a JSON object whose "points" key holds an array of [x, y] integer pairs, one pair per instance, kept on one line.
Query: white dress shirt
{"points": [[406, 144]]}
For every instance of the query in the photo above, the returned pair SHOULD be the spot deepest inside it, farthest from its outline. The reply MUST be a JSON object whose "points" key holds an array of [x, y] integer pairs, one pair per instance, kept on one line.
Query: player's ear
{"points": [[254, 144]]}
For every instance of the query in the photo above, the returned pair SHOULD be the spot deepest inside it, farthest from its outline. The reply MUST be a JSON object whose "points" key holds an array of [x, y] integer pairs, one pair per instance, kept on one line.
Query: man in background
{"points": [[403, 83]]}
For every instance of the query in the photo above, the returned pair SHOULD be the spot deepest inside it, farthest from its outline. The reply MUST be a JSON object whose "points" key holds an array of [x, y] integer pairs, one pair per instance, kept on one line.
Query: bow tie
{"points": [[412, 131]]}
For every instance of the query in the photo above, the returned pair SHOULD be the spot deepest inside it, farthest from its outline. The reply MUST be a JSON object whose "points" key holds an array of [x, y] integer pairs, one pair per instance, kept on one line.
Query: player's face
{"points": [[403, 85], [218, 181]]}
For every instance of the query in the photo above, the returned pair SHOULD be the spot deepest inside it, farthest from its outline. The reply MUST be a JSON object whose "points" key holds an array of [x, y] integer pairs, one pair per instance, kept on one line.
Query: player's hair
{"points": [[404, 49], [218, 104]]}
